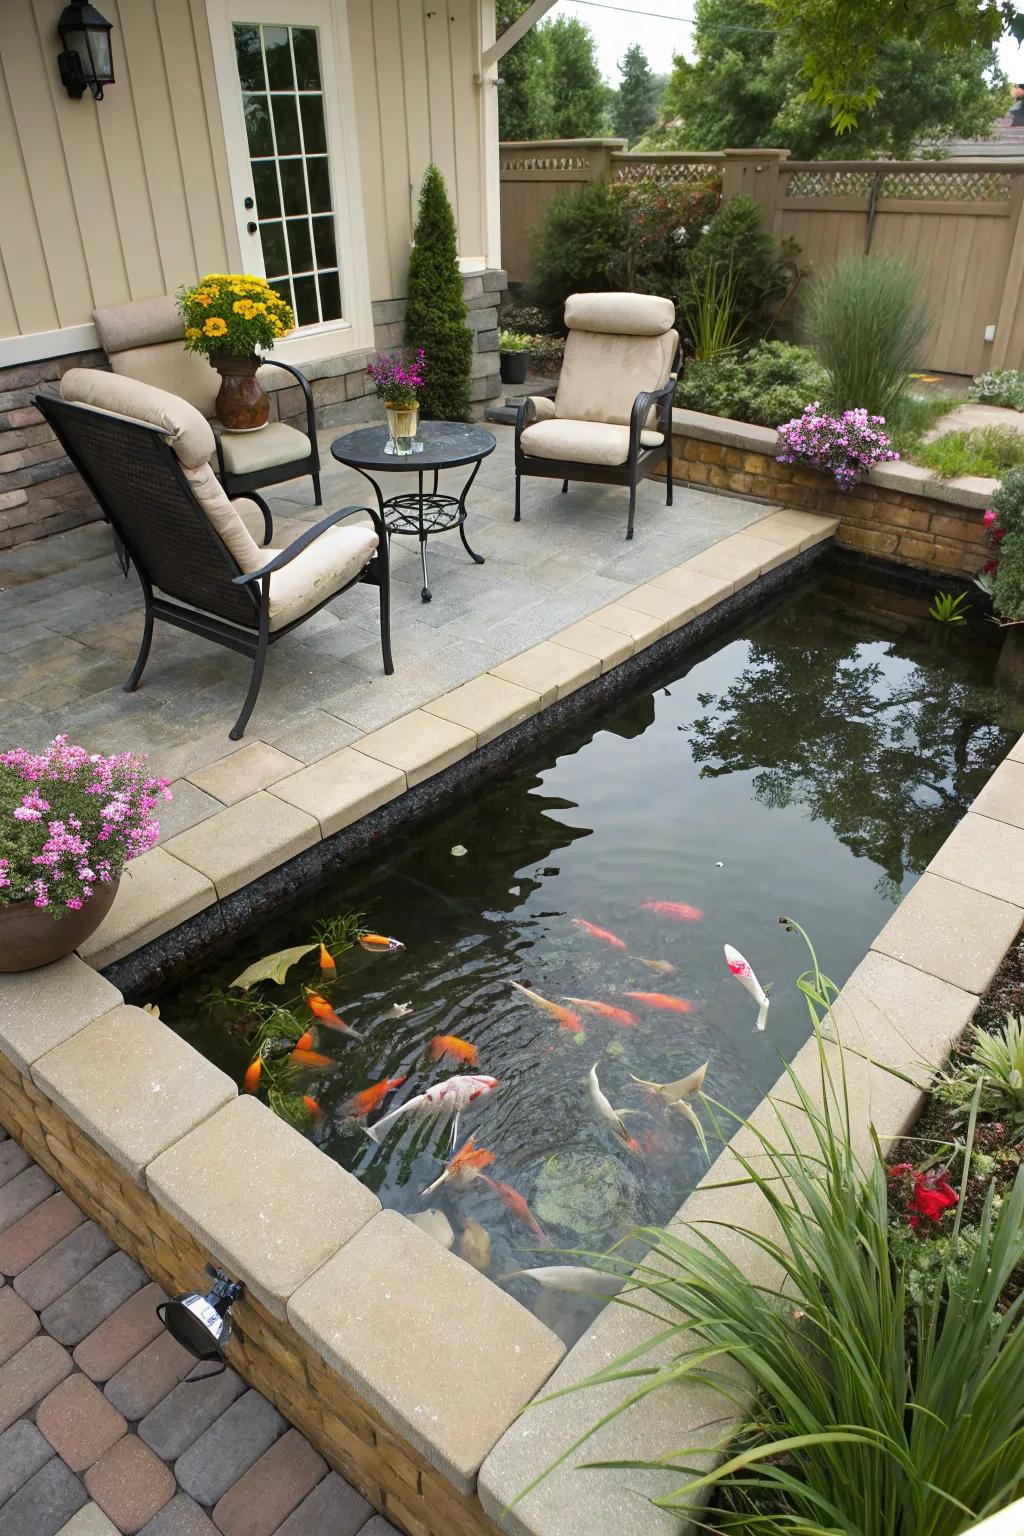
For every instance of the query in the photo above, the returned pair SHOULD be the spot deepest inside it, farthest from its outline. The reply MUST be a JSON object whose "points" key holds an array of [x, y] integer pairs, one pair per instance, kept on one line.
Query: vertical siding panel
{"points": [[32, 300], [466, 106], [373, 105], [396, 131], [438, 68], [416, 90], [215, 132], [119, 133], [8, 317], [178, 45]]}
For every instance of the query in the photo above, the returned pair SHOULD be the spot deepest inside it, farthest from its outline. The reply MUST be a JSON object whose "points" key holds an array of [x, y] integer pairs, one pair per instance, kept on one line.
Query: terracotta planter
{"points": [[30, 937], [242, 404]]}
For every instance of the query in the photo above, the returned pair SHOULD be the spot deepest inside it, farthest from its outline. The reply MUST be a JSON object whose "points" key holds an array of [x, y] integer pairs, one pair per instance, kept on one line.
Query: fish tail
{"points": [[385, 1122], [762, 1014], [357, 1034], [436, 1185]]}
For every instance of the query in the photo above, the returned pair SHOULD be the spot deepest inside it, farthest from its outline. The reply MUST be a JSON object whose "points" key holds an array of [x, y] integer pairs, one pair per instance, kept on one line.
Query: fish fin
{"points": [[621, 1112], [691, 1115], [436, 1185], [645, 1083], [355, 1033], [762, 1014], [455, 1136]]}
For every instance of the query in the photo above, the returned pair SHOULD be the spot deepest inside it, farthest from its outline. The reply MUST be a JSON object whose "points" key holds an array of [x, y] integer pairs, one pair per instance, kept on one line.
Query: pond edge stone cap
{"points": [[270, 1205], [133, 1085], [381, 1312], [41, 1009]]}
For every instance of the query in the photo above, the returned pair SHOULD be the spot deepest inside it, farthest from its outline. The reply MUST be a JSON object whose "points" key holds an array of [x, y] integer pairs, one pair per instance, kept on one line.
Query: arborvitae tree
{"points": [[578, 93], [524, 100], [435, 314], [635, 106]]}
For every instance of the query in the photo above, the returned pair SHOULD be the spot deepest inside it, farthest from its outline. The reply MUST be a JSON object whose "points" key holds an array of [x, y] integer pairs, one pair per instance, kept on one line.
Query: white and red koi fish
{"points": [[677, 910], [603, 934], [448, 1097], [605, 1113], [741, 969], [620, 1016]]}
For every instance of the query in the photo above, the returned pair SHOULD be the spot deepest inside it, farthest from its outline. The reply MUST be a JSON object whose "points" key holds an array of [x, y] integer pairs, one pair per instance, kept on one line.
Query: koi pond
{"points": [[810, 762]]}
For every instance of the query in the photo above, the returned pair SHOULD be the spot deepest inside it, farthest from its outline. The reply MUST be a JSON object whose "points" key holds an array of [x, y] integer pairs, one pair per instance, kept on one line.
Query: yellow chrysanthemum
{"points": [[192, 331], [215, 326], [202, 298]]}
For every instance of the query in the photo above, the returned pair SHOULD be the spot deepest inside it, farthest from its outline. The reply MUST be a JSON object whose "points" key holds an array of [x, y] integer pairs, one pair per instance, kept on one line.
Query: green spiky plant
{"points": [[996, 1069], [435, 314], [848, 1426]]}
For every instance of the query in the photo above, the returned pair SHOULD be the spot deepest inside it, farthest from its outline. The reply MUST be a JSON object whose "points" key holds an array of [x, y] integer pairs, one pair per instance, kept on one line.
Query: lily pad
{"points": [[581, 1192], [273, 967]]}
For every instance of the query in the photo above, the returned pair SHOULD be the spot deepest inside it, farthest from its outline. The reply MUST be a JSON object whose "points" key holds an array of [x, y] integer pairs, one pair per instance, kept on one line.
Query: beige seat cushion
{"points": [[331, 562], [582, 442], [603, 374], [620, 314], [188, 433], [245, 453]]}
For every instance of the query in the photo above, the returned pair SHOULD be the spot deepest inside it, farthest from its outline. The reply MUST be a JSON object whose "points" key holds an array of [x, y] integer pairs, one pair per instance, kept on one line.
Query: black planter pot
{"points": [[514, 367]]}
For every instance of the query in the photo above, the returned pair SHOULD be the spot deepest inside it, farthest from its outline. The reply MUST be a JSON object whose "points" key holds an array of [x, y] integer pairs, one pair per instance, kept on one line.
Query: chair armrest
{"points": [[285, 556], [642, 405], [533, 408], [304, 385]]}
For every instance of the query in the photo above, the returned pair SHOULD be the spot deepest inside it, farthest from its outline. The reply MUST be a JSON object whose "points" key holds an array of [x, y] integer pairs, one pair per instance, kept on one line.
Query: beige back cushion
{"points": [[210, 495], [620, 314], [602, 373], [189, 433], [145, 341]]}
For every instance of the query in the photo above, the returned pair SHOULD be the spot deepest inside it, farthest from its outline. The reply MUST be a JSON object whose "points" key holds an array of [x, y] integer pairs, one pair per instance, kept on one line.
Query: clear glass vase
{"points": [[403, 423]]}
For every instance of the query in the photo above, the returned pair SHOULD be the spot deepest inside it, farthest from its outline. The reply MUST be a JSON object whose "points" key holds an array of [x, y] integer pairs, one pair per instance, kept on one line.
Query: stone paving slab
{"points": [[23, 1450], [951, 931], [45, 1504], [22, 1194], [121, 1336], [187, 1411], [13, 1160], [39, 1009], [145, 1381], [130, 1484], [334, 1508], [29, 1375], [272, 1488], [79, 1422], [85, 1305], [18, 1324], [229, 1448], [67, 1262], [90, 1521], [181, 1517], [32, 1236]]}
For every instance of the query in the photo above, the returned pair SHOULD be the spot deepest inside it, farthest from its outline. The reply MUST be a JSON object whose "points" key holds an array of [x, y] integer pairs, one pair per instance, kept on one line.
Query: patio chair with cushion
{"points": [[146, 341], [611, 419], [145, 455]]}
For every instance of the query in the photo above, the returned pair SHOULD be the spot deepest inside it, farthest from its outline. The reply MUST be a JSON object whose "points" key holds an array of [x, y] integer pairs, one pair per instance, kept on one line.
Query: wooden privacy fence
{"points": [[961, 222]]}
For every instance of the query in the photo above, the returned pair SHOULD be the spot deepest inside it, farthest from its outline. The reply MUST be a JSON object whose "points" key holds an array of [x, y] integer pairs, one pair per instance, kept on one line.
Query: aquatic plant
{"points": [[843, 446], [840, 1424], [949, 607]]}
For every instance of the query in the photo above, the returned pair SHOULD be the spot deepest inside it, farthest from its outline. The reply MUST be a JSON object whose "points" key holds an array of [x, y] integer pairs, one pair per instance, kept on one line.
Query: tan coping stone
{"points": [[384, 1313], [341, 788], [605, 645], [658, 603], [951, 931], [418, 744], [1016, 753], [487, 706], [268, 1203], [1003, 796], [41, 1008], [642, 628], [987, 855], [702, 591], [550, 670], [781, 526], [133, 1085], [722, 429], [741, 557], [913, 479], [158, 891], [242, 773], [245, 841]]}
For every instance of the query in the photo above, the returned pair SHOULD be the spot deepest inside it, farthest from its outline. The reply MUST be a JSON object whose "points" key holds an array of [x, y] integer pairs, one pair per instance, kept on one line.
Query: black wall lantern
{"points": [[87, 62]]}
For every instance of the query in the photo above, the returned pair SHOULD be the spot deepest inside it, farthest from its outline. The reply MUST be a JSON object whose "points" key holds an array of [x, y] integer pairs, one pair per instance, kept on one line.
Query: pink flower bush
{"points": [[843, 446], [70, 820], [396, 377]]}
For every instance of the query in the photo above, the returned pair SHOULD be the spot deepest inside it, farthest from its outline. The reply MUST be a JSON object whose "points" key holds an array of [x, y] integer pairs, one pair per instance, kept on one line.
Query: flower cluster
{"points": [[930, 1194], [996, 533], [843, 446], [235, 313], [397, 377], [70, 820]]}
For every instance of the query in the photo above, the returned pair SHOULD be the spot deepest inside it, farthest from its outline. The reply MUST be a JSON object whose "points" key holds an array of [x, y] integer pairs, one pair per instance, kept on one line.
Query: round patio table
{"points": [[419, 513]]}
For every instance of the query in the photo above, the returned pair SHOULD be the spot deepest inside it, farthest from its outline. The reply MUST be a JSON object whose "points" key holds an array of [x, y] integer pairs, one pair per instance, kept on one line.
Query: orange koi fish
{"points": [[514, 1202], [454, 1049], [327, 960], [620, 1016], [378, 944], [251, 1080], [662, 1000], [321, 1008], [567, 1019], [677, 910], [305, 1042], [313, 1108], [662, 967], [603, 934], [464, 1166], [369, 1099], [300, 1058]]}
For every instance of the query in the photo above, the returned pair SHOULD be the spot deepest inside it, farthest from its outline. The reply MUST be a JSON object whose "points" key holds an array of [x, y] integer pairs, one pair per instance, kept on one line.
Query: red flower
{"points": [[932, 1195], [897, 1169]]}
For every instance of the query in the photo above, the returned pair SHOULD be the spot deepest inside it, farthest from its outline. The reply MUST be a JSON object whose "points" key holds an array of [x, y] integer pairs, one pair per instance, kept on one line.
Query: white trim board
{"points": [[38, 345]]}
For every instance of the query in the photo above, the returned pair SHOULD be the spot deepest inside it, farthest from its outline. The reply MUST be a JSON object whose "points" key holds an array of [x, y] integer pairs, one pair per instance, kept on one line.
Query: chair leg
{"points": [[668, 481], [318, 499], [632, 511], [385, 620], [518, 514], [565, 486], [135, 675], [237, 731]]}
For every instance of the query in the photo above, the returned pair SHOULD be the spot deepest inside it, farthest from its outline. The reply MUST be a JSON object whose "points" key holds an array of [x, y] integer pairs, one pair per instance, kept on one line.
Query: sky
{"points": [[659, 26]]}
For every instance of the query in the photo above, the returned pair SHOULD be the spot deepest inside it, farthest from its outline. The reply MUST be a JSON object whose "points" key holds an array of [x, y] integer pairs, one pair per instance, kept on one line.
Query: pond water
{"points": [[809, 763]]}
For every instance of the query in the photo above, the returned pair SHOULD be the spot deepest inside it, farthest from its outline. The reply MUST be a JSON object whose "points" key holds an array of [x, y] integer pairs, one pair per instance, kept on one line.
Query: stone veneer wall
{"points": [[40, 493]]}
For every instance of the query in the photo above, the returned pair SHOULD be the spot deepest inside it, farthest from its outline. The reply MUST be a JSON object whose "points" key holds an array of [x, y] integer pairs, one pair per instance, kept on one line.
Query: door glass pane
{"points": [[286, 127]]}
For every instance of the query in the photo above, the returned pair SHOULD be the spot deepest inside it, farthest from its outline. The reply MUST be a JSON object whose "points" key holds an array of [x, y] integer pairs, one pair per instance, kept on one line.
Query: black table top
{"points": [[445, 444]]}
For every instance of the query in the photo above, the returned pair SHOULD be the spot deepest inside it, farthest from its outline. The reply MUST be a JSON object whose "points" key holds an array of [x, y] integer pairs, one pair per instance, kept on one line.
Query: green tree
{"points": [[524, 99], [578, 93], [635, 106], [435, 315]]}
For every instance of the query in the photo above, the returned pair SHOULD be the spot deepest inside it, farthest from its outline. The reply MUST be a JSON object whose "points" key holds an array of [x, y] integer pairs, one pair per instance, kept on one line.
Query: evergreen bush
{"points": [[577, 244], [735, 241], [435, 315], [770, 385], [1008, 581]]}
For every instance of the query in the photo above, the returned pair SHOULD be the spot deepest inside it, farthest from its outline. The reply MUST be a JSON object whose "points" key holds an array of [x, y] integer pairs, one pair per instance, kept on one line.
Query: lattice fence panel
{"points": [[636, 168], [926, 185], [545, 162]]}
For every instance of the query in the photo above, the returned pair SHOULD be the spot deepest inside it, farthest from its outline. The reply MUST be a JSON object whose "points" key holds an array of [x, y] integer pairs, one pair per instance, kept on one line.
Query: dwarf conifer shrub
{"points": [[435, 315]]}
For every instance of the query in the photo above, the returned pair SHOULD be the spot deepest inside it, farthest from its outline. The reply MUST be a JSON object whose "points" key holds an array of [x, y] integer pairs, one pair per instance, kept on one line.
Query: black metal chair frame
{"points": [[246, 485], [206, 594], [639, 463]]}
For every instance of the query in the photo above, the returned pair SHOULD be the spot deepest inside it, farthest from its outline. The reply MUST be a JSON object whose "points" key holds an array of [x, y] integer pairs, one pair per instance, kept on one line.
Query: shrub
{"points": [[843, 446], [771, 384], [735, 241], [866, 320], [576, 246], [1004, 386], [989, 451], [435, 315], [1007, 530]]}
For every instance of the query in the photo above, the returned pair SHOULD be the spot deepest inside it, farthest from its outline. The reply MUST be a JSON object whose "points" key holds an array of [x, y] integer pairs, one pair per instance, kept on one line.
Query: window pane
{"points": [[283, 288], [306, 312], [279, 59], [314, 134], [319, 185], [307, 63], [275, 257], [250, 64], [257, 125], [293, 185], [300, 247], [323, 242], [286, 125], [330, 296], [264, 184]]}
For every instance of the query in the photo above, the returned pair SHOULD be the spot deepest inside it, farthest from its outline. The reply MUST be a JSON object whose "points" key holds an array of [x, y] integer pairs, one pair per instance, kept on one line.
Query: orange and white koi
{"points": [[513, 1201], [575, 1278], [313, 1109], [661, 967], [322, 1010], [380, 944], [604, 1111], [603, 934], [327, 964], [251, 1080], [620, 1016], [566, 1018], [450, 1047], [741, 969], [301, 1058], [677, 910], [448, 1097], [367, 1100], [663, 1000], [464, 1167]]}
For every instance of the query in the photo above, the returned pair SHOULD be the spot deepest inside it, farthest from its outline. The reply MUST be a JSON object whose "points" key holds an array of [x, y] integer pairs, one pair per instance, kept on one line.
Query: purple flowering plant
{"points": [[843, 446], [398, 376], [69, 822]]}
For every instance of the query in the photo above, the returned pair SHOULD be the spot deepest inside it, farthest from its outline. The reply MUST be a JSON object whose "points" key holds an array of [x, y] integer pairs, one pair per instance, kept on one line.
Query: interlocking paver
{"points": [[273, 1487], [130, 1483], [85, 1305], [23, 1450], [182, 1517], [29, 1375], [121, 1336], [228, 1448], [36, 1233], [67, 1262], [90, 1521], [22, 1194], [334, 1508], [378, 1526], [143, 1382], [184, 1414], [12, 1160], [45, 1503], [18, 1324], [79, 1422]]}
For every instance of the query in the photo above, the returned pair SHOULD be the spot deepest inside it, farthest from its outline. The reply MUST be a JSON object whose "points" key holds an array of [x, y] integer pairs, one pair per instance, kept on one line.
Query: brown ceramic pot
{"points": [[242, 403], [30, 937]]}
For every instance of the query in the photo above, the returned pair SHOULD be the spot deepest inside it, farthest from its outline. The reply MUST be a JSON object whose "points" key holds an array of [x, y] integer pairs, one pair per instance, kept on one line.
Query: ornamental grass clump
{"points": [[69, 822], [234, 313], [843, 446], [866, 319]]}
